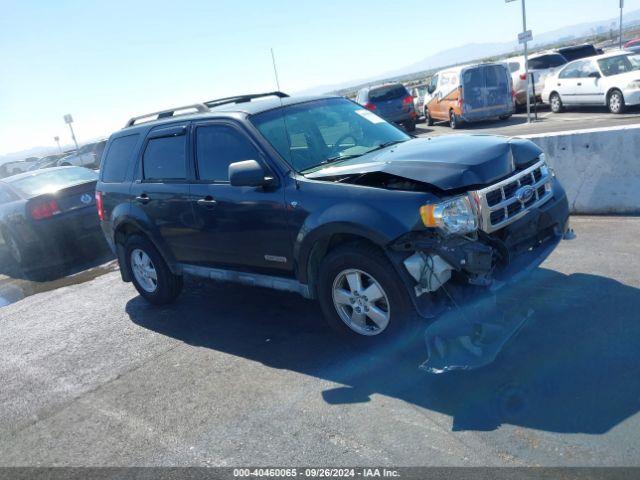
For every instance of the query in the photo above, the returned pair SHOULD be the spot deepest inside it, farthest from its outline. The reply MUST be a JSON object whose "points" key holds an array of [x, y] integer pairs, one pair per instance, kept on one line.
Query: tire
{"points": [[410, 126], [454, 122], [17, 253], [392, 300], [428, 117], [505, 117], [615, 102], [556, 103], [166, 287]]}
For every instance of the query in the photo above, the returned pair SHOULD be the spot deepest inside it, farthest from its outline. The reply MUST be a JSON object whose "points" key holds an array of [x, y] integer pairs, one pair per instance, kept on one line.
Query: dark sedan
{"points": [[47, 216]]}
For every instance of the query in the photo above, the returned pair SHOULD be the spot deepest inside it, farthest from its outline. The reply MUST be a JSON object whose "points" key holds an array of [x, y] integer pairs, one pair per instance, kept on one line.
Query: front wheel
{"points": [[362, 297], [428, 117], [149, 272], [616, 102]]}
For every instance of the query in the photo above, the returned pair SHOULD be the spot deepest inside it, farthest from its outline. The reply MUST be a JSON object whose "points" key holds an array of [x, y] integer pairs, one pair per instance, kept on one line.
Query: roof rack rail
{"points": [[243, 98], [199, 107]]}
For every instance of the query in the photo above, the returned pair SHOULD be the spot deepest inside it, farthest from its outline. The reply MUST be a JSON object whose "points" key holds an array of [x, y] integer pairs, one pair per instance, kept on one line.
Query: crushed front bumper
{"points": [[470, 328]]}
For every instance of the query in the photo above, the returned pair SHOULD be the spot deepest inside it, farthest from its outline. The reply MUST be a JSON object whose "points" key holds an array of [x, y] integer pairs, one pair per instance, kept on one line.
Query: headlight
{"points": [[635, 85], [453, 216]]}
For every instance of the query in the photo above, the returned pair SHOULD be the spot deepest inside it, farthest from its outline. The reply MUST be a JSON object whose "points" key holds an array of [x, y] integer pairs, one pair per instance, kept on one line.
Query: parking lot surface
{"points": [[230, 375], [548, 122]]}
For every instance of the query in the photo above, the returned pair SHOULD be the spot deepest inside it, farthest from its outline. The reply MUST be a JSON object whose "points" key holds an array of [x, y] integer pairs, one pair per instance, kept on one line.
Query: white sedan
{"points": [[611, 80]]}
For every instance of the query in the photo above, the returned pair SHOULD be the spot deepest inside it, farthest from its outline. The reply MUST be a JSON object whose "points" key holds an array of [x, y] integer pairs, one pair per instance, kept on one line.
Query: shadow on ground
{"points": [[574, 367]]}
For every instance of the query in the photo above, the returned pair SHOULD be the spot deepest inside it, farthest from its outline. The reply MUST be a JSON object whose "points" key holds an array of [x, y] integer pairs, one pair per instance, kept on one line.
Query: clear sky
{"points": [[104, 61]]}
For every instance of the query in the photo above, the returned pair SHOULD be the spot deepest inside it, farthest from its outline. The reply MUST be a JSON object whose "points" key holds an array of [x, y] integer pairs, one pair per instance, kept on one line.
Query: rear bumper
{"points": [[71, 235]]}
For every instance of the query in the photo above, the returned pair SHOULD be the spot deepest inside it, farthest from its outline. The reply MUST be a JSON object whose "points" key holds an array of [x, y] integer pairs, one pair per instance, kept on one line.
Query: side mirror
{"points": [[594, 75], [431, 89], [247, 173]]}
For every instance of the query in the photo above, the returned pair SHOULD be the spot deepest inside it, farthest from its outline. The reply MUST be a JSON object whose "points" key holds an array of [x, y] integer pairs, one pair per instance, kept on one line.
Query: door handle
{"points": [[143, 198], [559, 84], [207, 201], [579, 84]]}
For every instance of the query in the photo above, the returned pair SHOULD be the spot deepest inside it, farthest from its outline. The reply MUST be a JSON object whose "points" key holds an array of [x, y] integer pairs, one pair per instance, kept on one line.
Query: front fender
{"points": [[355, 219]]}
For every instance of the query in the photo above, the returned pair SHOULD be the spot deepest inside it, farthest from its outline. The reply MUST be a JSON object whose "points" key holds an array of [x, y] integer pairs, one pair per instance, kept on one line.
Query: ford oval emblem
{"points": [[526, 193], [86, 199]]}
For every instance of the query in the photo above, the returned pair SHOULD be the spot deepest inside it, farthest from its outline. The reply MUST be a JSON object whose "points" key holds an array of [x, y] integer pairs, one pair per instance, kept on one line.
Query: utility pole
{"points": [[621, 8], [57, 140], [68, 119], [524, 38]]}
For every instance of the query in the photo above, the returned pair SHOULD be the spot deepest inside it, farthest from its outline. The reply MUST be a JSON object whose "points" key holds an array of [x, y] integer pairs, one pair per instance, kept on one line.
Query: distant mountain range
{"points": [[476, 51]]}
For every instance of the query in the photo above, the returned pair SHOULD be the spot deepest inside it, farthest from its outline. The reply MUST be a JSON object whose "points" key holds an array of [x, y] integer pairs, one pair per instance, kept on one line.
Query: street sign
{"points": [[68, 118], [525, 36]]}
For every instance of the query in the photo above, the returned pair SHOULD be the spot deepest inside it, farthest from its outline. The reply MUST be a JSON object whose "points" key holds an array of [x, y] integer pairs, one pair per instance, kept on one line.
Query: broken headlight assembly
{"points": [[455, 216]]}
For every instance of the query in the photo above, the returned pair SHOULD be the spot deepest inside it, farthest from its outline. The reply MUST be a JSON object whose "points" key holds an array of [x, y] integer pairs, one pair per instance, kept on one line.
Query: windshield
{"points": [[51, 180], [619, 64], [311, 134]]}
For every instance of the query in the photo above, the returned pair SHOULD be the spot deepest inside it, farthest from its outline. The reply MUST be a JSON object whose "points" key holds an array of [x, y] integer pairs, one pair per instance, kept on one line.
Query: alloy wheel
{"points": [[144, 271], [361, 302]]}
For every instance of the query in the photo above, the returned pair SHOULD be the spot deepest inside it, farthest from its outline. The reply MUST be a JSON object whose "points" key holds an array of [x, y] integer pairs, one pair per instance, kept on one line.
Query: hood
{"points": [[449, 162]]}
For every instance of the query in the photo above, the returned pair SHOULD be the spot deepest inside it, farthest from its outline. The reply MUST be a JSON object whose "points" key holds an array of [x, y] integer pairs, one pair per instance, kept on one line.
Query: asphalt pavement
{"points": [[231, 375], [547, 122]]}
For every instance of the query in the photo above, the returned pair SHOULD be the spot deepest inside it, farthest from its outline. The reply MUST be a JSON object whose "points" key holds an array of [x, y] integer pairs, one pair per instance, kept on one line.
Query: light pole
{"points": [[524, 38], [68, 119], [57, 140], [621, 8]]}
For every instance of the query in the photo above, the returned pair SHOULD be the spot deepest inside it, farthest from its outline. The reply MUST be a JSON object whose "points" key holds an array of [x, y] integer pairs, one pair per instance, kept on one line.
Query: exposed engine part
{"points": [[386, 180], [430, 271]]}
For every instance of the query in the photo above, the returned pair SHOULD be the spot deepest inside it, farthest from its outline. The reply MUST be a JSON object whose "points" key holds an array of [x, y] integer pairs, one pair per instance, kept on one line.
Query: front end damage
{"points": [[454, 278]]}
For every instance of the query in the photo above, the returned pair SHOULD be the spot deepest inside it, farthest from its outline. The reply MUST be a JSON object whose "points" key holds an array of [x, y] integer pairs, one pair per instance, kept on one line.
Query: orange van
{"points": [[470, 93]]}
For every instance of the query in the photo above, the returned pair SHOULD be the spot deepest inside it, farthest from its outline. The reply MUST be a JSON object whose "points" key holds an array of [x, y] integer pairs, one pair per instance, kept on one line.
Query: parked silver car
{"points": [[541, 66], [88, 156]]}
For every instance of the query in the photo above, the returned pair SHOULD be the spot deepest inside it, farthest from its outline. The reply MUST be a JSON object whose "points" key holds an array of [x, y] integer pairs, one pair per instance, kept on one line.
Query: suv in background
{"points": [[541, 66], [392, 102], [319, 196], [576, 52], [88, 156]]}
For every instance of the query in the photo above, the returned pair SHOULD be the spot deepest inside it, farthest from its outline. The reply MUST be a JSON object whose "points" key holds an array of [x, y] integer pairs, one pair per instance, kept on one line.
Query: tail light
{"points": [[370, 106], [408, 99], [523, 76], [99, 205], [44, 209]]}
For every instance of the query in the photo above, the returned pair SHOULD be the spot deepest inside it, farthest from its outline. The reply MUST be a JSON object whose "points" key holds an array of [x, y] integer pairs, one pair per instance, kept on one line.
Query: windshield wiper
{"points": [[339, 158], [385, 145]]}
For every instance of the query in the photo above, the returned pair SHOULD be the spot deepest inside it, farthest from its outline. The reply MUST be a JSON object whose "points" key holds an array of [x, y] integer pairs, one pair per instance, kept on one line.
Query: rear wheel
{"points": [[454, 122], [15, 251], [410, 126], [556, 103], [616, 102], [362, 297], [149, 272]]}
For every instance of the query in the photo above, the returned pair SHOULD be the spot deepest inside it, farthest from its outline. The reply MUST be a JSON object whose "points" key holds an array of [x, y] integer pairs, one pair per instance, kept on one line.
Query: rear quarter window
{"points": [[547, 61], [118, 157]]}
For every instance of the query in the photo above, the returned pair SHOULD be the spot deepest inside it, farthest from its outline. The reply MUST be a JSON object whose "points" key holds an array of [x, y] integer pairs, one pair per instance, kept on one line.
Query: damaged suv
{"points": [[322, 197]]}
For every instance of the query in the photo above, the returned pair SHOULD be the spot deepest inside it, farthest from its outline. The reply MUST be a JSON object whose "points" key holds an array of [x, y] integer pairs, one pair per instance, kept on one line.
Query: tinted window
{"points": [[218, 146], [48, 181], [496, 77], [576, 53], [389, 92], [165, 158], [547, 61], [120, 153]]}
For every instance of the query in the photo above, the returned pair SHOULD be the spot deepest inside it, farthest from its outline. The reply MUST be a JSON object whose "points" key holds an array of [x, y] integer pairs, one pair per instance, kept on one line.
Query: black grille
{"points": [[510, 189], [537, 174], [497, 216], [526, 180], [530, 202], [541, 191], [514, 208], [494, 197]]}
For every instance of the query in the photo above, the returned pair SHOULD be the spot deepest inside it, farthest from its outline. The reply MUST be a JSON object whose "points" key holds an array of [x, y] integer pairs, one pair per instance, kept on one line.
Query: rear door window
{"points": [[118, 158], [165, 158], [573, 70], [217, 147]]}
